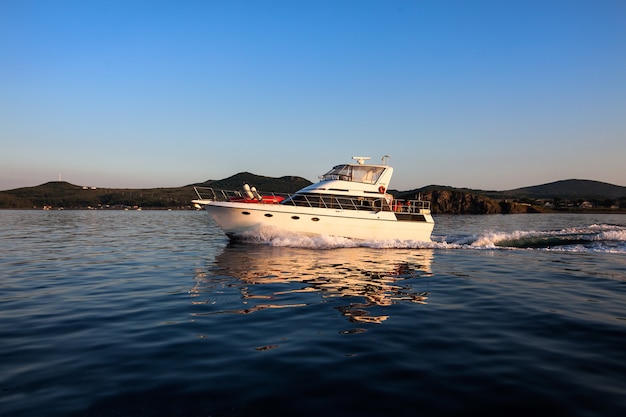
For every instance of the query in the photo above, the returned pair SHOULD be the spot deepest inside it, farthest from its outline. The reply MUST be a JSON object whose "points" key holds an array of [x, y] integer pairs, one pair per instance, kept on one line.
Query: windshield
{"points": [[357, 173]]}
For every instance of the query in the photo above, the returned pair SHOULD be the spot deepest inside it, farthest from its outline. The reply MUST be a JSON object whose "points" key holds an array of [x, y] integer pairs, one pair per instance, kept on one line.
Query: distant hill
{"points": [[287, 184], [559, 195], [566, 189], [571, 189], [443, 199], [63, 194]]}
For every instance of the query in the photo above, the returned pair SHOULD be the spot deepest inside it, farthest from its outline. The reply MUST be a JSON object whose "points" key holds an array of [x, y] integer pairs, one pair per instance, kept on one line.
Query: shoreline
{"points": [[537, 210]]}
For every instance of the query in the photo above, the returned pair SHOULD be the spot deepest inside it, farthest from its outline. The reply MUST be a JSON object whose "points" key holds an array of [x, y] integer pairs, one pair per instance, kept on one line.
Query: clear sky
{"points": [[492, 95]]}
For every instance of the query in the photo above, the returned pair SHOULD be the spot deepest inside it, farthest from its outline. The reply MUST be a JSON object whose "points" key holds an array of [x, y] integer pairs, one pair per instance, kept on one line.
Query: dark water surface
{"points": [[156, 314]]}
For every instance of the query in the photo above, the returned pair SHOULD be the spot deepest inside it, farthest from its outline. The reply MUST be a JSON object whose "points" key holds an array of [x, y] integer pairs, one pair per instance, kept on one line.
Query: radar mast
{"points": [[361, 159]]}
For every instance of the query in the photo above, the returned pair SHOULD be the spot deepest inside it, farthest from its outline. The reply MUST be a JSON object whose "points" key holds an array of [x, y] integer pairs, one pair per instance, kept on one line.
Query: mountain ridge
{"points": [[563, 188], [444, 199], [570, 188]]}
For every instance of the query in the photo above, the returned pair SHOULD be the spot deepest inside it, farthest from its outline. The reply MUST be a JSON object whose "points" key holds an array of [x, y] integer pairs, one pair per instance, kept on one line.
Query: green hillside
{"points": [[288, 184], [571, 189], [567, 194], [58, 194], [63, 194]]}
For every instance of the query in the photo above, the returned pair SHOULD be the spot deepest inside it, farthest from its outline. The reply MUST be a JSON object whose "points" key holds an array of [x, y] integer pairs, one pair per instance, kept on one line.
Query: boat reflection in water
{"points": [[246, 278]]}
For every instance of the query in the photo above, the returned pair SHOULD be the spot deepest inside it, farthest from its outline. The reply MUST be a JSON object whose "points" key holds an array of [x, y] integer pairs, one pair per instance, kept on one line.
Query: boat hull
{"points": [[239, 220]]}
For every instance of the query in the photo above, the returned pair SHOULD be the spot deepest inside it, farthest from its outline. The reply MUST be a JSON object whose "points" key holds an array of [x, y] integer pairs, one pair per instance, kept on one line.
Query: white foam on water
{"points": [[586, 238]]}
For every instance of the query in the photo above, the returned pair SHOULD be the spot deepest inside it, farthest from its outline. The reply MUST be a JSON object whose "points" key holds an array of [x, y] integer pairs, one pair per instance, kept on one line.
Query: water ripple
{"points": [[155, 313]]}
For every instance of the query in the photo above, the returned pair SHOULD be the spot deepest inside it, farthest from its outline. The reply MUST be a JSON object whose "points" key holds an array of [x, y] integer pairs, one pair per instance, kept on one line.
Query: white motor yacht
{"points": [[350, 201]]}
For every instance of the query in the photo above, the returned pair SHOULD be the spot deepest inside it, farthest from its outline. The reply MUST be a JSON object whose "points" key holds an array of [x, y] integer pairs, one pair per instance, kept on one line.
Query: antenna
{"points": [[361, 159], [384, 159]]}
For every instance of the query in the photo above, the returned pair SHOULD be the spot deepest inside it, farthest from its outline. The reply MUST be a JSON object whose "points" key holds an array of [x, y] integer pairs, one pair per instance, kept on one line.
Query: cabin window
{"points": [[295, 217], [366, 174], [315, 219], [269, 215], [247, 213]]}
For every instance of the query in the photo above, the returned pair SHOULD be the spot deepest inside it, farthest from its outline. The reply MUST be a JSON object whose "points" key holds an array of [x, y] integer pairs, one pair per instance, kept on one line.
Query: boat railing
{"points": [[317, 200], [205, 193], [337, 202], [411, 206], [359, 203], [216, 194], [212, 194]]}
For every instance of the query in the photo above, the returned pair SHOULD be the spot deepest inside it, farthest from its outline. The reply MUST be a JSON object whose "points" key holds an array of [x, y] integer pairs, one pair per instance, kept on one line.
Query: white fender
{"points": [[246, 189], [257, 195]]}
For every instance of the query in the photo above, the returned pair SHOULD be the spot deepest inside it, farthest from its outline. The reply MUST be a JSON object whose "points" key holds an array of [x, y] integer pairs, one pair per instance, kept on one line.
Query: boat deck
{"points": [[406, 210]]}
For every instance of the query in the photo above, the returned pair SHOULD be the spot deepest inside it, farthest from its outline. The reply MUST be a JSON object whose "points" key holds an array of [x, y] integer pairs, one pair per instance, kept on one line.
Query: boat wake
{"points": [[590, 238], [604, 238]]}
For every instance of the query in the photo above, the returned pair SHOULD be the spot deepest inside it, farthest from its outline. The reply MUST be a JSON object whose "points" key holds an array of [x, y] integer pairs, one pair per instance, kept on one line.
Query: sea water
{"points": [[155, 313]]}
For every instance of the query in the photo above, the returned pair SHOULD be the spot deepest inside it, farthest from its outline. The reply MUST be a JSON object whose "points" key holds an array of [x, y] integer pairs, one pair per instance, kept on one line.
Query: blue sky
{"points": [[481, 94]]}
